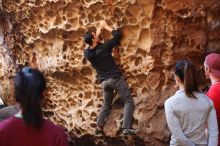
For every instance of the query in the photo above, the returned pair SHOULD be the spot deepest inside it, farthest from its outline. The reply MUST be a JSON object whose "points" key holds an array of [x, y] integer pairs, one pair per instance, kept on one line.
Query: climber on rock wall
{"points": [[212, 71], [108, 73]]}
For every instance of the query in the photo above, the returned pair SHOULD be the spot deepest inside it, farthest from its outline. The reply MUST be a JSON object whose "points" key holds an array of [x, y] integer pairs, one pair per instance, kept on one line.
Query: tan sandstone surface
{"points": [[47, 34]]}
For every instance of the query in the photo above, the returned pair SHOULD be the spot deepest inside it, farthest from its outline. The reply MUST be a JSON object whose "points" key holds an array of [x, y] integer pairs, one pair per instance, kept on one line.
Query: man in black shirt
{"points": [[100, 57]]}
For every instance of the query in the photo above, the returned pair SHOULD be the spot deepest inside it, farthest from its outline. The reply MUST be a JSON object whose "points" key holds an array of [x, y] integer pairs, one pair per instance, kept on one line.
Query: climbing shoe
{"points": [[126, 131], [99, 132]]}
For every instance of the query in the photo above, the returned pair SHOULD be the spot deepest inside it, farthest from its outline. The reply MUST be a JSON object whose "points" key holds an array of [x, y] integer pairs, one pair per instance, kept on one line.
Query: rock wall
{"points": [[47, 34], [7, 57]]}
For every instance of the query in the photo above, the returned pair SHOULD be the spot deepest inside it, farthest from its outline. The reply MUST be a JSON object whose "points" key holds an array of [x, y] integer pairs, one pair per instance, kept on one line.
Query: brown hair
{"points": [[187, 73]]}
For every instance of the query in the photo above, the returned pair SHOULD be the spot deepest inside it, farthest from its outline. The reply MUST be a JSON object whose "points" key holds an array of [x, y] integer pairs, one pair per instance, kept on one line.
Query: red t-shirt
{"points": [[214, 94], [14, 132]]}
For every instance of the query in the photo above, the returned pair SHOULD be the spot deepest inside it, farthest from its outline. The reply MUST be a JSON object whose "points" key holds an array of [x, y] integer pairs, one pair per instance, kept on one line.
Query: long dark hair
{"points": [[187, 73], [29, 85]]}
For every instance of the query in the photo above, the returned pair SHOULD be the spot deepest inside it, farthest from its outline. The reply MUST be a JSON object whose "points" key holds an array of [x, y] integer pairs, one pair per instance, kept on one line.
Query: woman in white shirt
{"points": [[189, 112]]}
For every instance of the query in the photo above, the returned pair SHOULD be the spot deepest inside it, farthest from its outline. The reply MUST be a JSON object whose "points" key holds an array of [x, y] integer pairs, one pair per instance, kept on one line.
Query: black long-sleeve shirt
{"points": [[102, 60]]}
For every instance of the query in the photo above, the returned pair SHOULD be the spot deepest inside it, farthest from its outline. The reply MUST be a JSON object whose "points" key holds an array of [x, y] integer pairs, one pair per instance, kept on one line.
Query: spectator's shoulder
{"points": [[208, 100], [6, 123], [55, 128], [173, 99], [169, 100], [215, 88]]}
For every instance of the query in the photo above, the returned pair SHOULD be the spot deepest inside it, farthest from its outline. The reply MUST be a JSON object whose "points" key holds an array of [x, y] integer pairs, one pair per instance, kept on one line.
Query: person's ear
{"points": [[208, 69], [93, 41], [177, 79]]}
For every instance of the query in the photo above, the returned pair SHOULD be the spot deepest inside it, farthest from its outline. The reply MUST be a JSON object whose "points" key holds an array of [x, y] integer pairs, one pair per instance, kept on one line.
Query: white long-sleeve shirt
{"points": [[188, 119], [1, 101]]}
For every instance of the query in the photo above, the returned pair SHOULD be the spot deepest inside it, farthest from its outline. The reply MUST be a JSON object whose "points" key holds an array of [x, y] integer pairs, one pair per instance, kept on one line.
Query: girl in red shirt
{"points": [[28, 128]]}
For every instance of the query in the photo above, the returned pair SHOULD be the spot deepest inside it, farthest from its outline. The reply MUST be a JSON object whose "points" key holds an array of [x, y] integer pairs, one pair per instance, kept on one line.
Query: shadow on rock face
{"points": [[86, 140], [91, 140]]}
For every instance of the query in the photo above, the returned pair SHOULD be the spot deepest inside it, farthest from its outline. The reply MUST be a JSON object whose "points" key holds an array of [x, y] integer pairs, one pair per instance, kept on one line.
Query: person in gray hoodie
{"points": [[189, 112]]}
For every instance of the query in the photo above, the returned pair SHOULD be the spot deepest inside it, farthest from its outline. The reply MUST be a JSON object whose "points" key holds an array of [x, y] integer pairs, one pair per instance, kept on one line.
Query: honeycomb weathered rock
{"points": [[47, 34]]}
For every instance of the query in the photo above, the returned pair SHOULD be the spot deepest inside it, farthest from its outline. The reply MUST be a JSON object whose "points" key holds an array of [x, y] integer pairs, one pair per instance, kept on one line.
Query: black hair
{"points": [[29, 86], [187, 73], [88, 37]]}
